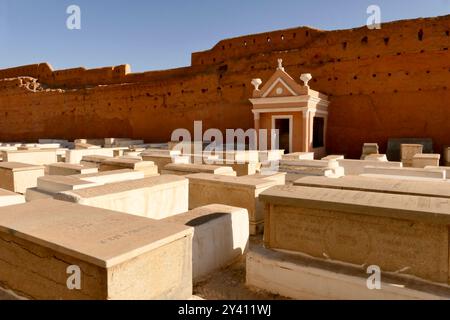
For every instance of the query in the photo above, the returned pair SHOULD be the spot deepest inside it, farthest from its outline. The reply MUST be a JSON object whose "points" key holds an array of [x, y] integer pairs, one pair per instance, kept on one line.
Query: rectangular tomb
{"points": [[408, 151], [68, 169], [36, 157], [147, 167], [185, 169], [156, 197], [221, 236], [440, 189], [421, 160], [161, 160], [18, 177], [9, 198], [94, 161], [398, 233], [407, 172], [118, 256], [301, 277], [76, 156], [242, 192]]}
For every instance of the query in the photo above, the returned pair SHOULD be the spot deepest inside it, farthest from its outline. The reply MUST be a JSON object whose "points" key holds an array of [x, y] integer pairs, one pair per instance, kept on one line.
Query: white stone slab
{"points": [[221, 235], [154, 197]]}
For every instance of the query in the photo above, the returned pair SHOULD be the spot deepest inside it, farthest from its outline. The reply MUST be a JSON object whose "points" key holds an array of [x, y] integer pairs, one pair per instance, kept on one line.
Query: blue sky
{"points": [[154, 35]]}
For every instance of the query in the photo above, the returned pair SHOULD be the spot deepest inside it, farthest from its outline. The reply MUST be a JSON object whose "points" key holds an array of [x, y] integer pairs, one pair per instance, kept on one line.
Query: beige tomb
{"points": [[405, 173], [18, 177], [76, 156], [369, 149], [408, 151], [421, 160], [9, 198], [161, 160], [240, 192], [440, 189], [399, 233], [36, 157], [120, 256], [148, 167], [156, 197], [301, 277], [94, 161], [299, 156], [221, 236], [68, 169]]}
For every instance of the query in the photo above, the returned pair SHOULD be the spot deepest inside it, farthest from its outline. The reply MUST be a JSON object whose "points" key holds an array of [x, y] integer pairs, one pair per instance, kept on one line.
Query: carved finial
{"points": [[280, 64], [256, 83], [306, 77]]}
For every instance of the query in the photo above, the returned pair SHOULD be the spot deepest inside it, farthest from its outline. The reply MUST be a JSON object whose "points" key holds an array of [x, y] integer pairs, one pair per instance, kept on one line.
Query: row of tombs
{"points": [[149, 221]]}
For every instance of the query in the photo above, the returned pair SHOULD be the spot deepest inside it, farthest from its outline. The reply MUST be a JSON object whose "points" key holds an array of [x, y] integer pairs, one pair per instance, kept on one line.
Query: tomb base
{"points": [[304, 278]]}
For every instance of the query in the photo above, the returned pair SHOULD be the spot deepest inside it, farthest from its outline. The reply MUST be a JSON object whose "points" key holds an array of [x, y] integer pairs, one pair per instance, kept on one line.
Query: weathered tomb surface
{"points": [[302, 277], [398, 233], [55, 184], [356, 167], [120, 256], [192, 168], [153, 197], [36, 157], [76, 156], [95, 142], [111, 176], [333, 157], [369, 149], [49, 186], [69, 169], [421, 160], [298, 156], [18, 177], [396, 186], [9, 198], [439, 174], [376, 157], [296, 169], [242, 192], [121, 142], [163, 159], [94, 160], [447, 156], [82, 146], [147, 167], [278, 177], [221, 236]]}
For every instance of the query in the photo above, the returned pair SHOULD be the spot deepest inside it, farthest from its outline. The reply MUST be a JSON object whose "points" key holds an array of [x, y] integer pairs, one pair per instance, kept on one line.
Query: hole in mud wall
{"points": [[420, 35], [344, 45], [294, 35], [307, 33], [269, 40], [282, 37], [447, 33], [365, 40], [386, 40]]}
